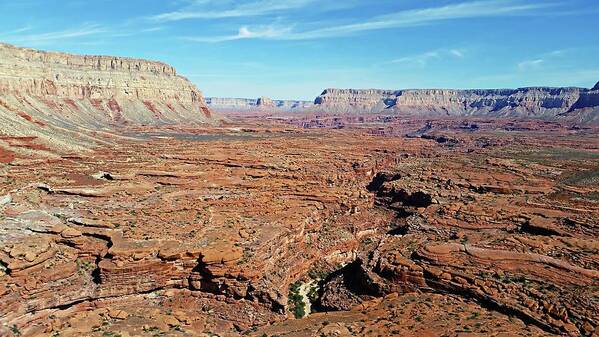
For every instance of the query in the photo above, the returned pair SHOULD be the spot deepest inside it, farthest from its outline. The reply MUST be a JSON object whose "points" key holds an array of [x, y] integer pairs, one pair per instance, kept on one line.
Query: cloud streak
{"points": [[264, 32], [428, 16], [17, 31], [424, 58], [402, 19], [542, 60], [26, 35], [531, 64], [204, 10], [42, 38]]}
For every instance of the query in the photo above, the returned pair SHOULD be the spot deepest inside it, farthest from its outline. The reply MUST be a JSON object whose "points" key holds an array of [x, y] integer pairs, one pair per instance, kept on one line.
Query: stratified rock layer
{"points": [[44, 92], [569, 104]]}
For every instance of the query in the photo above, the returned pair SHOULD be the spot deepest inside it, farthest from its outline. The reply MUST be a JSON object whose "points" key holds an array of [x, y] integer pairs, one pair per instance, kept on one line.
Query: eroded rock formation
{"points": [[392, 225], [572, 105], [49, 94], [475, 234], [187, 234], [569, 104]]}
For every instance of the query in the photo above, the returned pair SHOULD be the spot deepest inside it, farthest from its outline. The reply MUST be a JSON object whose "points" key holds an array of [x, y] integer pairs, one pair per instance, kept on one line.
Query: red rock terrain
{"points": [[423, 229], [125, 211]]}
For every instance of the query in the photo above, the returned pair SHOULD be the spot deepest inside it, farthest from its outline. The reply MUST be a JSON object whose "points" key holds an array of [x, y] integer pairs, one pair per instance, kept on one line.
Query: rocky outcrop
{"points": [[571, 104], [356, 100], [265, 102], [41, 92], [449, 267], [256, 105], [126, 237], [469, 255]]}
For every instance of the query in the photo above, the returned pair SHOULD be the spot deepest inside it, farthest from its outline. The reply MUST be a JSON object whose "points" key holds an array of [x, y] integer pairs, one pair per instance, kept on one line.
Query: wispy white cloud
{"points": [[531, 64], [567, 77], [426, 57], [542, 60], [421, 59], [428, 16], [212, 9], [399, 19], [457, 52], [559, 52], [153, 29], [264, 32], [17, 36], [17, 31], [27, 35]]}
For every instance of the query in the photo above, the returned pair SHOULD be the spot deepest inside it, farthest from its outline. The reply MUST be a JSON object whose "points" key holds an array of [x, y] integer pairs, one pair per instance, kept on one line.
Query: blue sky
{"points": [[295, 48]]}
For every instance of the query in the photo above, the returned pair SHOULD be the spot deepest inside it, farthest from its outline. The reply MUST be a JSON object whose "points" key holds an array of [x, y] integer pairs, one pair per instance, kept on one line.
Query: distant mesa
{"points": [[596, 87], [570, 104], [221, 104], [573, 104]]}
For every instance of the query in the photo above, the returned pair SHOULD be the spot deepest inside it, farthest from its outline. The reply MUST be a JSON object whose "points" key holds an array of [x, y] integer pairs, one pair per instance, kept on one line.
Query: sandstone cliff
{"points": [[42, 91], [265, 101], [570, 104], [367, 100]]}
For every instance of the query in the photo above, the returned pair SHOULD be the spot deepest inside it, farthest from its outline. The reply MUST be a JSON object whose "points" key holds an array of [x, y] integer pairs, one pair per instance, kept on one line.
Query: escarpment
{"points": [[44, 93], [368, 100], [569, 104]]}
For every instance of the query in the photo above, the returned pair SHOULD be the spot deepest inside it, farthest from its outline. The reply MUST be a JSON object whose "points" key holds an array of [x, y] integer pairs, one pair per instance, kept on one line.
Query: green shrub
{"points": [[296, 301]]}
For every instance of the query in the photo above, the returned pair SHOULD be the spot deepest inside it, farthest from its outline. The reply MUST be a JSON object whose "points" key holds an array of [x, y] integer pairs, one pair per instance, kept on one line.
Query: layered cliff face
{"points": [[40, 91], [571, 104], [368, 100], [577, 105], [256, 105]]}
